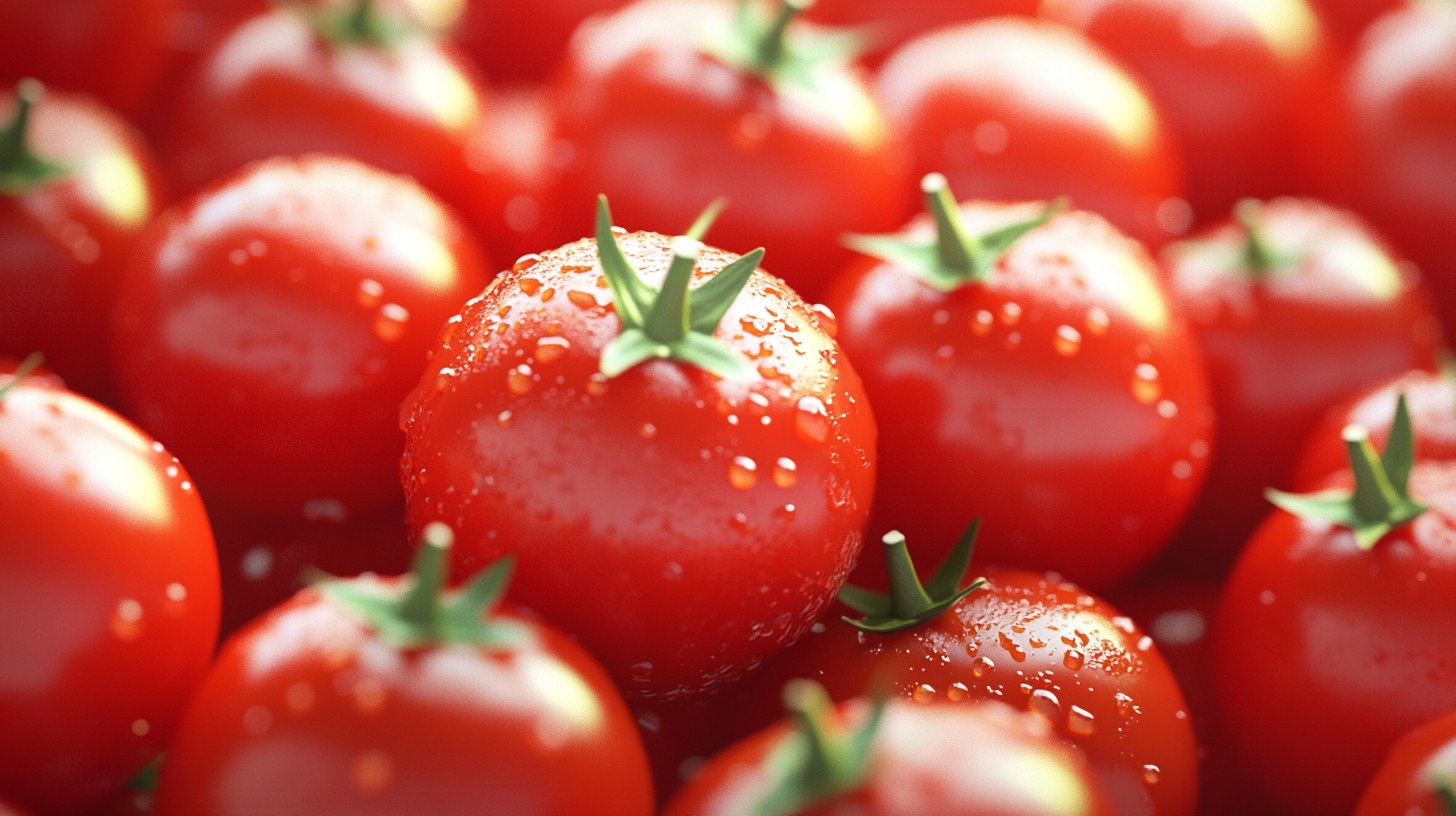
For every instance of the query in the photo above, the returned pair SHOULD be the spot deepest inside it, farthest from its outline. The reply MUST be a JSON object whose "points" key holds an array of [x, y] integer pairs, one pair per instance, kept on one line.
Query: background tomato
{"points": [[1417, 776], [886, 26]]}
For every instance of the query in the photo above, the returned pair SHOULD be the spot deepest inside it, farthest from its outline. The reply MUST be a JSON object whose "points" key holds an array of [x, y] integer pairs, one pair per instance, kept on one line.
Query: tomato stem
{"points": [[771, 45], [360, 24], [909, 603], [1447, 794], [25, 369], [819, 759], [21, 170], [1259, 254]]}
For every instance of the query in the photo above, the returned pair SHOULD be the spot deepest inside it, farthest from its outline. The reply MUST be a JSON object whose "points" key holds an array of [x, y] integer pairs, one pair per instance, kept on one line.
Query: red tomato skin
{"points": [[1014, 108], [980, 759], [108, 599], [307, 711], [64, 244], [1037, 643], [1247, 89], [512, 209], [892, 25], [985, 395], [113, 49], [1283, 348], [662, 129], [1412, 772], [1400, 92], [522, 42], [1347, 20], [1361, 641], [681, 525], [270, 325]]}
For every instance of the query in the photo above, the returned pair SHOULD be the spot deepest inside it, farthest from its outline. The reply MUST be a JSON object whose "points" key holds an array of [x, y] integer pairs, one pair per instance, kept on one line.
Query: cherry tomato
{"points": [[113, 49], [1418, 777], [512, 207], [907, 760], [1347, 20], [271, 324], [661, 123], [523, 41], [377, 696], [887, 26], [73, 200], [108, 598], [1015, 109], [1297, 305], [683, 524], [1051, 388], [1246, 86]]}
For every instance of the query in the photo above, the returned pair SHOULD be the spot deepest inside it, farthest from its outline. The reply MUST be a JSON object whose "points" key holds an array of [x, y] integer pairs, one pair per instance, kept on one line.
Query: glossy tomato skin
{"points": [[269, 327], [108, 599], [1400, 92], [1014, 108], [1414, 771], [1347, 20], [662, 129], [309, 711], [1037, 643], [1325, 654], [521, 41], [972, 760], [681, 525], [1284, 346], [986, 396], [113, 49], [890, 25], [1246, 87], [64, 243]]}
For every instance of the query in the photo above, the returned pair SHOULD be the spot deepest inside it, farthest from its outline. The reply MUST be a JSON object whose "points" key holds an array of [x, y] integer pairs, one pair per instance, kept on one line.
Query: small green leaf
{"points": [[629, 349], [25, 369], [1446, 792], [712, 300], [909, 603], [21, 169], [631, 296], [1260, 255], [710, 354], [1399, 455], [819, 760], [668, 320], [704, 222]]}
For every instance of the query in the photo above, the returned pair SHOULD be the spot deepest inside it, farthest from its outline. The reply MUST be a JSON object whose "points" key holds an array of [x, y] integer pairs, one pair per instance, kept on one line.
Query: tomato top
{"points": [[1418, 776], [889, 25], [108, 598]]}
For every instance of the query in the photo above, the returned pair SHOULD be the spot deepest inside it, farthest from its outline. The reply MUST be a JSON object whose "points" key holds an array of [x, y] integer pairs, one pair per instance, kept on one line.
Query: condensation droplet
{"points": [[1266, 597], [525, 262], [1182, 469], [957, 692], [786, 472], [550, 349], [126, 620], [580, 299], [520, 380], [1068, 341], [811, 420], [389, 324], [923, 693], [372, 771], [824, 316], [981, 323], [1097, 320], [754, 325], [982, 666], [369, 293], [530, 286], [1151, 774], [1011, 647], [1123, 704], [1145, 386], [1073, 659], [1010, 314], [742, 472], [1081, 722], [504, 419], [1167, 409], [1045, 703], [141, 727], [596, 384], [647, 430]]}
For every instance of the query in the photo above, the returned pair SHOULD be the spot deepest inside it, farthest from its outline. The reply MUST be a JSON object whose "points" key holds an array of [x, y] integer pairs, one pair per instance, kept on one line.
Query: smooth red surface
{"points": [[1062, 400], [65, 244], [1246, 87], [887, 26], [983, 759], [1347, 20], [644, 116], [1037, 643], [681, 525], [108, 599], [270, 326], [523, 41], [1417, 767], [513, 209], [308, 711], [1284, 347], [1015, 108], [1326, 654]]}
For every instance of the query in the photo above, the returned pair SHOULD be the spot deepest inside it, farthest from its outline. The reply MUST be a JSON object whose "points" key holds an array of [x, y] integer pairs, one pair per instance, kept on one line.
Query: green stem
{"points": [[909, 603], [954, 246], [771, 46], [670, 319], [25, 369], [908, 598], [1259, 254], [20, 168], [420, 605], [1374, 496]]}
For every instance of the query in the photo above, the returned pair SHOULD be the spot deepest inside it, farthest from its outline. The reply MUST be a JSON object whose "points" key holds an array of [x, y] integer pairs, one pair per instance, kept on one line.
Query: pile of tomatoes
{"points": [[715, 407]]}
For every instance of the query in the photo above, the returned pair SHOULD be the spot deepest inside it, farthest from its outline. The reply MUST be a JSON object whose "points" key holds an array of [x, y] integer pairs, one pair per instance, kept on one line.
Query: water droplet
{"points": [[957, 692], [238, 257], [1010, 314], [786, 472], [1167, 409], [1145, 386], [530, 286], [1068, 341], [1012, 647], [982, 666], [369, 293], [299, 697], [786, 512], [504, 419], [923, 693], [1036, 642], [550, 349], [1124, 624], [1266, 597], [1151, 774], [981, 322], [141, 727], [372, 771], [257, 720], [1045, 703], [1081, 722], [647, 430], [257, 563], [548, 293], [828, 323], [520, 380], [389, 325], [750, 131], [580, 299], [1097, 320], [673, 571], [126, 620], [754, 325], [811, 421], [596, 384], [176, 603], [526, 262], [743, 472], [1013, 339], [1124, 704], [1182, 469], [1073, 659], [640, 673], [945, 353]]}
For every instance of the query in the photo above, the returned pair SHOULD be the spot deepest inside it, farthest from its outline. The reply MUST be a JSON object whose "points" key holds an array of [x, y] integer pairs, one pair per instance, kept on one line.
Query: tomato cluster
{"points": [[1124, 483]]}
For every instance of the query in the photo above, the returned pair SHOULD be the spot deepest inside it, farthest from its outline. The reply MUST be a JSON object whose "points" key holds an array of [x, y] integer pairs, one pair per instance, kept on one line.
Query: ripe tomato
{"points": [[72, 204], [372, 697], [1292, 285], [1246, 86], [985, 382], [108, 598], [904, 760], [523, 41], [1418, 777], [513, 146], [270, 325], [1334, 637], [887, 26], [660, 122], [1347, 20], [683, 524], [1016, 109]]}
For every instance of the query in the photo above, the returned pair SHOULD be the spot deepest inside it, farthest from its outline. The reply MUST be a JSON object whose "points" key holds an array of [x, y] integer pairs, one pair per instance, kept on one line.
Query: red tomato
{"points": [[1309, 312], [647, 116], [1401, 94], [270, 326], [985, 387], [512, 208], [887, 26], [967, 760], [1015, 109], [1347, 20], [682, 524], [67, 228], [113, 49], [1245, 85], [1330, 643], [1418, 777], [523, 41], [108, 598], [408, 707]]}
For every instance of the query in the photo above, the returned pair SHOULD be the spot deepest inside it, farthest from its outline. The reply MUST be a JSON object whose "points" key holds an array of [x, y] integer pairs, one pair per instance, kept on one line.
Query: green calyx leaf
{"points": [[1446, 792], [1259, 254], [1381, 500], [421, 612], [21, 170], [677, 321], [909, 603], [820, 759], [145, 780], [26, 367], [361, 24], [951, 257], [758, 41]]}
